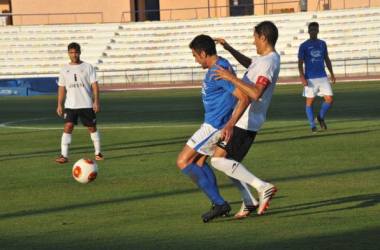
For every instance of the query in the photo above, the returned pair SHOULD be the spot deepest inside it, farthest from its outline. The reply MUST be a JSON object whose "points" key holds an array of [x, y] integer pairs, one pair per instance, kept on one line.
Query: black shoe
{"points": [[314, 130], [217, 211], [321, 122]]}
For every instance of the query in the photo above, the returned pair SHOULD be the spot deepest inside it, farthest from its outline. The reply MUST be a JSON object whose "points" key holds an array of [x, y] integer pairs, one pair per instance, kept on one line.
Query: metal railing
{"points": [[343, 4], [219, 9], [289, 70], [73, 17]]}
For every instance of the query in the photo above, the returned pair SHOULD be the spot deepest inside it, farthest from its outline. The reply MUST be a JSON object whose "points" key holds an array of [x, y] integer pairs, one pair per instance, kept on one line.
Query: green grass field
{"points": [[328, 183]]}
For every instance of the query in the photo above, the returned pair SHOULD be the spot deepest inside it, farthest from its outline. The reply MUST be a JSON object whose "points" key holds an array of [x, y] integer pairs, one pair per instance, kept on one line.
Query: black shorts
{"points": [[240, 143], [87, 116]]}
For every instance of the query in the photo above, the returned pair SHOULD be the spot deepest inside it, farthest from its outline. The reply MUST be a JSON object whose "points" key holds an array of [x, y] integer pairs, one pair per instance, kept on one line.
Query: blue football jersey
{"points": [[217, 97], [314, 56]]}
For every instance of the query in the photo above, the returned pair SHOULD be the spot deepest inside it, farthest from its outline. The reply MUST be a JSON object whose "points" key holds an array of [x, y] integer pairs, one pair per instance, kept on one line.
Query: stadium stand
{"points": [[138, 52]]}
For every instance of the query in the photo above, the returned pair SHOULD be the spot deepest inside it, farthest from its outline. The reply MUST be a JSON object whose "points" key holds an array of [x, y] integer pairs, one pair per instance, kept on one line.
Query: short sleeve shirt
{"points": [[77, 80], [314, 55], [218, 100], [263, 68]]}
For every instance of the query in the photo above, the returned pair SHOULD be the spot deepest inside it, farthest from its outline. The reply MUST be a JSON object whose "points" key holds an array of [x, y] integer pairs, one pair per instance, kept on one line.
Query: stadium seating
{"points": [[149, 52]]}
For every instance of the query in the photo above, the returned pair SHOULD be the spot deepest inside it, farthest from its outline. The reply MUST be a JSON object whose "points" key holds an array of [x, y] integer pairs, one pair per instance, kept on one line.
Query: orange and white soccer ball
{"points": [[85, 170]]}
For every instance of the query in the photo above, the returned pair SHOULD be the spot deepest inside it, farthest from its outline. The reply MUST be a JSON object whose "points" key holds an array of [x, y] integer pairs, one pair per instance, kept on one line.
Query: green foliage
{"points": [[328, 183]]}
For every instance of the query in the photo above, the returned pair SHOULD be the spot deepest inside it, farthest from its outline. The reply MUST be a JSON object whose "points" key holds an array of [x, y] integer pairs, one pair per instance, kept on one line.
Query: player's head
{"points": [[202, 47], [74, 52], [313, 30], [266, 33]]}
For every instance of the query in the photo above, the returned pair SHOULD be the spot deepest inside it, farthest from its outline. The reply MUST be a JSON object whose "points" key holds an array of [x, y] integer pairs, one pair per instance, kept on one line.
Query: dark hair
{"points": [[269, 30], [73, 46], [315, 24], [205, 43]]}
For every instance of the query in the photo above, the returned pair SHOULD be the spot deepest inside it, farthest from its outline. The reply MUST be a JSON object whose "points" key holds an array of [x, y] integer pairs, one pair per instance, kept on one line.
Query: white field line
{"points": [[3, 125]]}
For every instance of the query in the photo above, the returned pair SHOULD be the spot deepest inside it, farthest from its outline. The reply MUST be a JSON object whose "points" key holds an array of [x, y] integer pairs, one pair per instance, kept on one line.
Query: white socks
{"points": [[65, 144], [248, 199], [95, 137], [236, 170]]}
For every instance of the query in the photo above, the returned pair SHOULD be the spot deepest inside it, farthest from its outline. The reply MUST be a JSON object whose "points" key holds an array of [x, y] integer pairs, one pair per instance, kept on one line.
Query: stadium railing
{"points": [[289, 70]]}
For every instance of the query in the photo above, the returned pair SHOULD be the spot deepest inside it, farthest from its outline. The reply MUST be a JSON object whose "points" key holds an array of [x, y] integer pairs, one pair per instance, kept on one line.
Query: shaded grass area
{"points": [[328, 193]]}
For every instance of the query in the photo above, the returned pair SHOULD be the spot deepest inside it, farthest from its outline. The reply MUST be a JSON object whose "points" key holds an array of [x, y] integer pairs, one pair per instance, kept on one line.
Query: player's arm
{"points": [[302, 74], [329, 67], [242, 59], [95, 90], [238, 112], [61, 97], [253, 92]]}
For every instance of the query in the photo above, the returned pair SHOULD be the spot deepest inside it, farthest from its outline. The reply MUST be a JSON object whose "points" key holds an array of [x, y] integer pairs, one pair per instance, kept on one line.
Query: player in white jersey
{"points": [[76, 81], [258, 83], [219, 100]]}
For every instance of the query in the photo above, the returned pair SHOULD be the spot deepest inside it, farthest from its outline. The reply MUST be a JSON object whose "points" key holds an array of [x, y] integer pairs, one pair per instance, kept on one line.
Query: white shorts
{"points": [[204, 140], [317, 87]]}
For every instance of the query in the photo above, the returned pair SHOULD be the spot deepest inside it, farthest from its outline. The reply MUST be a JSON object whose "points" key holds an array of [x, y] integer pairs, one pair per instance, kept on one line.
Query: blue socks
{"points": [[310, 115], [199, 177], [324, 109], [210, 175]]}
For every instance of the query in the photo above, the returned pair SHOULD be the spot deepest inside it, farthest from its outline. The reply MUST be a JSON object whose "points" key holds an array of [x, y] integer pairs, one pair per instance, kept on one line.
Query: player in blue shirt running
{"points": [[219, 100], [314, 54]]}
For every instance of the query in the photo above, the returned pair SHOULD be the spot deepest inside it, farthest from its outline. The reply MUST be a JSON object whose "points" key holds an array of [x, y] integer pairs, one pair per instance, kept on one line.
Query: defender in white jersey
{"points": [[258, 83], [76, 81], [219, 100]]}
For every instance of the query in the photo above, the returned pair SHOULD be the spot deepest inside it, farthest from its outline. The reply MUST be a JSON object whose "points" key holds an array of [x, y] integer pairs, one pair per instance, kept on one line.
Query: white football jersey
{"points": [[77, 80], [267, 68]]}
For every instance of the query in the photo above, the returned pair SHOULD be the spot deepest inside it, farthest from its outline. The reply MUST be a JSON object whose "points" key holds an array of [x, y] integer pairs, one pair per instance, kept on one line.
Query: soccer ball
{"points": [[85, 170]]}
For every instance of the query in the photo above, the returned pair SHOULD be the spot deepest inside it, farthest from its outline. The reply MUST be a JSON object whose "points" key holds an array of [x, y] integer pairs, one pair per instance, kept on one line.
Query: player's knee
{"points": [[69, 128], [181, 162], [92, 129], [215, 162]]}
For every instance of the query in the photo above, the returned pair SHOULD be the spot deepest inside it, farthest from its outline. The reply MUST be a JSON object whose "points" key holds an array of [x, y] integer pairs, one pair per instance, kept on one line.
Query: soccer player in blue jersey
{"points": [[314, 54], [223, 104]]}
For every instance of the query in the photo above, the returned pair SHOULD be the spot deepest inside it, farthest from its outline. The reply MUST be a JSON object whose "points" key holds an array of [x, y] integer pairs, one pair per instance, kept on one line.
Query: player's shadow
{"points": [[106, 147], [91, 204], [330, 205], [312, 136], [355, 202]]}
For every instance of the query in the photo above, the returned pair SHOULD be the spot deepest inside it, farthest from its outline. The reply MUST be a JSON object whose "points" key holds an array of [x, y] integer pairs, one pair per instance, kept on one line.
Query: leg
{"points": [[186, 163], [310, 113], [65, 142], [95, 137], [326, 105], [237, 171]]}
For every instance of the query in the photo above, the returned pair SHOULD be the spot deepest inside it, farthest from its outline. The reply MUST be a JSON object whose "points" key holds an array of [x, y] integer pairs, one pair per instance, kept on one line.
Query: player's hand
{"points": [[222, 73], [227, 132], [333, 80], [59, 110], [96, 107], [222, 42], [304, 82]]}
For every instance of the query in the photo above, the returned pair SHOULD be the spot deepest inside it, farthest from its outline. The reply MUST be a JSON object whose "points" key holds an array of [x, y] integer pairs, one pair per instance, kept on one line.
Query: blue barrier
{"points": [[13, 91], [28, 86]]}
